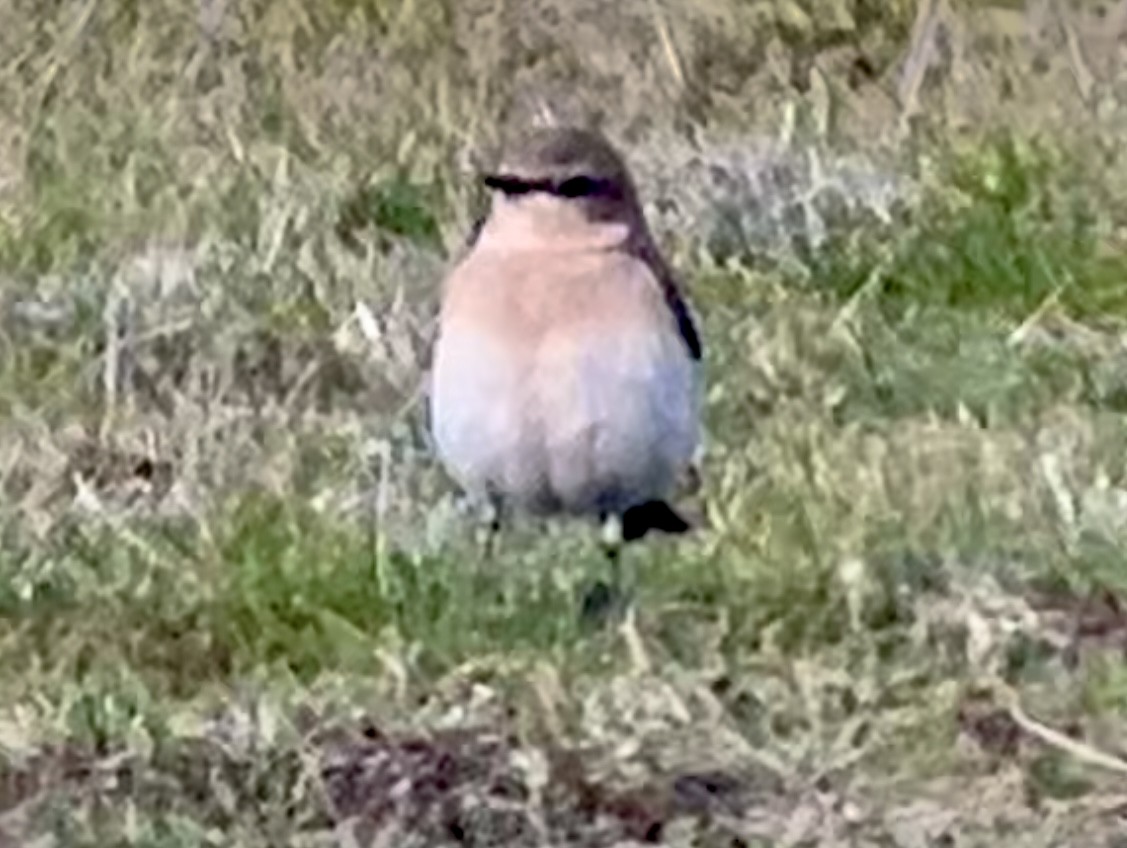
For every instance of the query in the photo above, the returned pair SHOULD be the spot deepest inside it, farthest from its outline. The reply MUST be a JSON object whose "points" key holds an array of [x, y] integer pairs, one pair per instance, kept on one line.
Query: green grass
{"points": [[1006, 228], [237, 603]]}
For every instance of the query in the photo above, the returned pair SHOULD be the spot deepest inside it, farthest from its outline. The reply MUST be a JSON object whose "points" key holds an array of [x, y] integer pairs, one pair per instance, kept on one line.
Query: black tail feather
{"points": [[639, 520]]}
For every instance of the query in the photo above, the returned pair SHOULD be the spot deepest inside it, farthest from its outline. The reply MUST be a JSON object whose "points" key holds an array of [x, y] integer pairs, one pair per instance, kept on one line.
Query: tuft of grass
{"points": [[237, 603]]}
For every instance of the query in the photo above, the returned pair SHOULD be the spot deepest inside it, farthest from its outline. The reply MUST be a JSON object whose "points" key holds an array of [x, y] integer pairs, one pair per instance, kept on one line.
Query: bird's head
{"points": [[563, 182]]}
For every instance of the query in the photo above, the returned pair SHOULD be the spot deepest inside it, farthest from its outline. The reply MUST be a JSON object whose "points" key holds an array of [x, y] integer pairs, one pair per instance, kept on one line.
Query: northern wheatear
{"points": [[566, 368]]}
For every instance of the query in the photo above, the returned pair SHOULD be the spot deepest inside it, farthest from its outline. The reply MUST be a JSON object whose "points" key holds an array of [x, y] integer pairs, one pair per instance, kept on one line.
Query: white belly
{"points": [[579, 428]]}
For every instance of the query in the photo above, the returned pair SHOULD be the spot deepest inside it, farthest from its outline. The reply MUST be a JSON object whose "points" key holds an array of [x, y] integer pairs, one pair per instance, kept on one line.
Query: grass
{"points": [[238, 603]]}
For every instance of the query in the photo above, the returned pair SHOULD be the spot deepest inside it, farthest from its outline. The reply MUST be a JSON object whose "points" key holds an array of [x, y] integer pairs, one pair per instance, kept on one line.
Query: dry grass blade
{"points": [[1081, 751], [239, 600]]}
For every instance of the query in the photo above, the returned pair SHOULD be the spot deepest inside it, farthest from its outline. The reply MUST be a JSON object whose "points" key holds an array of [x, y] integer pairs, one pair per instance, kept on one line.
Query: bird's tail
{"points": [[639, 520]]}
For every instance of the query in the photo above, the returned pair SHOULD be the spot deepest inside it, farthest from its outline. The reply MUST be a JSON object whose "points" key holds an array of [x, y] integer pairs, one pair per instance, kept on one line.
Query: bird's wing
{"points": [[671, 291], [685, 324]]}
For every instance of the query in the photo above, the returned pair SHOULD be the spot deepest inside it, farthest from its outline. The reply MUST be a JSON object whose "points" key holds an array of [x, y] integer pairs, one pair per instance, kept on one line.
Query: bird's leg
{"points": [[611, 540], [495, 514], [618, 598], [607, 597]]}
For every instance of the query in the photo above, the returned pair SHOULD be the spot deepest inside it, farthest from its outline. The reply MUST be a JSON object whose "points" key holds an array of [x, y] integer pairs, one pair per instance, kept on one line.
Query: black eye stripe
{"points": [[585, 187], [580, 186], [512, 185]]}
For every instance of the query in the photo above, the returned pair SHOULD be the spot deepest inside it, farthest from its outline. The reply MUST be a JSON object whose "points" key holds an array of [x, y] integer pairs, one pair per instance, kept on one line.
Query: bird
{"points": [[566, 368]]}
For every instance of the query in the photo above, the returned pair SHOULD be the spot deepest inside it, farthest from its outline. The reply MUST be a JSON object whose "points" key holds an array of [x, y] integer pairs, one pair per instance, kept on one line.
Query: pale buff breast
{"points": [[561, 383]]}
